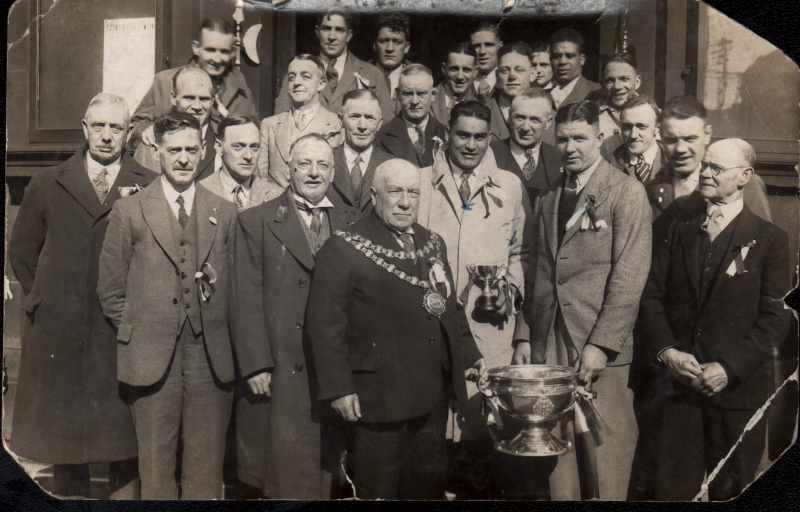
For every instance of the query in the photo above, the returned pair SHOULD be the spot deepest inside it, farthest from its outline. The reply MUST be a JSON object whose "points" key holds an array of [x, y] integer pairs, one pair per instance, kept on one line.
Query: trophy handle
{"points": [[494, 405]]}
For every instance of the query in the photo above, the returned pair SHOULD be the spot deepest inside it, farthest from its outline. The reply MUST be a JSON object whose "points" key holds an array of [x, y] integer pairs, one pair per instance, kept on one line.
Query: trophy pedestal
{"points": [[534, 442]]}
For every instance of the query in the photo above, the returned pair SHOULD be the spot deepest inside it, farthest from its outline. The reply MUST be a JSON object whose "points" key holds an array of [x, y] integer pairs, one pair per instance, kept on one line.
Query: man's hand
{"points": [[683, 366], [261, 384], [522, 352], [477, 372], [593, 361], [713, 379], [347, 407], [149, 136]]}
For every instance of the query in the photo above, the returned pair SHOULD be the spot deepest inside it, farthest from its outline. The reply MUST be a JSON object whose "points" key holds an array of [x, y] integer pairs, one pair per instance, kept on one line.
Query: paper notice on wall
{"points": [[129, 57]]}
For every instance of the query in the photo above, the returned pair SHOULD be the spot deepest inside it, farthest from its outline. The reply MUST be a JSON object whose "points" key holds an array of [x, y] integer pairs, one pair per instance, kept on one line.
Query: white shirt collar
{"points": [[584, 176], [411, 127], [339, 64], [519, 154], [560, 93], [229, 183], [309, 110], [172, 195], [350, 155], [729, 211], [651, 153], [93, 168]]}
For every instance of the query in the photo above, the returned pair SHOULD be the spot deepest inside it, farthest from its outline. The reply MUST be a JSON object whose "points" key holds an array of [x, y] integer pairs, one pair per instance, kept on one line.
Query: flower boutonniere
{"points": [[206, 281], [280, 214], [363, 83], [129, 191], [737, 267], [213, 217], [590, 221]]}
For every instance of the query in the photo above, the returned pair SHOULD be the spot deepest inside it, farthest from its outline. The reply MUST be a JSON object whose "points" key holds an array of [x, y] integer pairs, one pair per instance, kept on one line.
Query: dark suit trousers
{"points": [[190, 402], [693, 437], [403, 459]]}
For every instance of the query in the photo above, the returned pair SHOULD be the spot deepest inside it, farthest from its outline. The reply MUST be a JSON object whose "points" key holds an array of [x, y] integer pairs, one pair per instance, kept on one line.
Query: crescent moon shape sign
{"points": [[250, 43]]}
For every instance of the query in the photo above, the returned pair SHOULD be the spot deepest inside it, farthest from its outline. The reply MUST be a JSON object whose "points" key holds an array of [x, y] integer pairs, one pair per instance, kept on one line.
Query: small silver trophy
{"points": [[493, 305]]}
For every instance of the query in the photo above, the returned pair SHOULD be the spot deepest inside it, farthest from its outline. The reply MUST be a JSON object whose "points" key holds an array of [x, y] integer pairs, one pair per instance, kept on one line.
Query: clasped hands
{"points": [[707, 378], [348, 407]]}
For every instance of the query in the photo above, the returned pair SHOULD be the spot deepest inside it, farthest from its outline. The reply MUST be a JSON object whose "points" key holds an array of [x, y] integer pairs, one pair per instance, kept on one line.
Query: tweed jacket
{"points": [[596, 275], [139, 282], [582, 89], [278, 133]]}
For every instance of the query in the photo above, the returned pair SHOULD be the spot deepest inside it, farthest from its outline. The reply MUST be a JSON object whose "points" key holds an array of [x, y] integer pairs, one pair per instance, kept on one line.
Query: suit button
{"points": [[699, 332], [374, 344], [183, 275], [183, 260], [174, 301], [431, 340], [567, 304], [301, 283], [299, 325], [182, 244]]}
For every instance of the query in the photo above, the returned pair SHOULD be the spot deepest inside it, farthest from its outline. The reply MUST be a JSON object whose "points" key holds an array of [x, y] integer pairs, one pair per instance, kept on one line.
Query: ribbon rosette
{"points": [[438, 278], [129, 191], [589, 219], [206, 280], [364, 83], [737, 267]]}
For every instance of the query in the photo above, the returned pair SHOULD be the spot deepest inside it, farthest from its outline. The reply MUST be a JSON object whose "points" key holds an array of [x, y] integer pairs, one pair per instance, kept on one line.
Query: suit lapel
{"points": [[550, 218], [345, 81], [75, 180], [597, 186], [286, 227], [205, 207], [377, 158], [283, 134], [158, 216], [400, 143], [745, 231]]}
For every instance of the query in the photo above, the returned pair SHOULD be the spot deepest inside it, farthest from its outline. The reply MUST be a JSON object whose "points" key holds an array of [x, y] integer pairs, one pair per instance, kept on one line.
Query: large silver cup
{"points": [[535, 397]]}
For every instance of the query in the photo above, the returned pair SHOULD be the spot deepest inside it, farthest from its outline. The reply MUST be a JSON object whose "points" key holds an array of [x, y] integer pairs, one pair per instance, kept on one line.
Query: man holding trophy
{"points": [[592, 236], [480, 211]]}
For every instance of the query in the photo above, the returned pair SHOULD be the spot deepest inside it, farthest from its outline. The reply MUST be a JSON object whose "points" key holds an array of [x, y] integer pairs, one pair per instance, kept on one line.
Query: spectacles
{"points": [[717, 170]]}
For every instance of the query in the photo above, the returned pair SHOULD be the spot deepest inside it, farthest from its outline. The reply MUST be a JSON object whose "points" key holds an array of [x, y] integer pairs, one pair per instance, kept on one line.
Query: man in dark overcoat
{"points": [[68, 411], [710, 314], [389, 346], [276, 243]]}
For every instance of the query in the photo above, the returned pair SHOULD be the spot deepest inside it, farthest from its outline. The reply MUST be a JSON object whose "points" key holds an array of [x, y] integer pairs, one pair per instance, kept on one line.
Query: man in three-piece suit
{"points": [[685, 133], [235, 178], [307, 114], [459, 69], [68, 411], [280, 445], [411, 134], [389, 346], [163, 282], [193, 93], [592, 236], [343, 70], [213, 52], [639, 153], [568, 58], [535, 162], [359, 156], [711, 312]]}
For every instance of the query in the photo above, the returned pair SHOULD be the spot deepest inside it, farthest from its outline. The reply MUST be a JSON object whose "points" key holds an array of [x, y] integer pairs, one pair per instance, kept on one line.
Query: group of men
{"points": [[316, 270]]}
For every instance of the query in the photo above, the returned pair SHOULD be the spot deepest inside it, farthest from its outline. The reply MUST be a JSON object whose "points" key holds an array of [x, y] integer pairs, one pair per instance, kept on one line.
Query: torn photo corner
{"points": [[74, 380]]}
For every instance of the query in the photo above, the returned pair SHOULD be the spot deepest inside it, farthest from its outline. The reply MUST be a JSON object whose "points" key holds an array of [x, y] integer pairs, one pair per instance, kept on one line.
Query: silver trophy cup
{"points": [[530, 399]]}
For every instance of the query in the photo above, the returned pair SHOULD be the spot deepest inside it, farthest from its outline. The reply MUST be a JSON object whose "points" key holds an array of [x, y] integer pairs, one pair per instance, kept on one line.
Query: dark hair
{"points": [[642, 99], [585, 110], [233, 121], [537, 92], [395, 22], [519, 47], [487, 26], [172, 121], [629, 58], [359, 94], [221, 25], [470, 108], [461, 47], [313, 58], [684, 107], [188, 67], [540, 47], [567, 35], [348, 18]]}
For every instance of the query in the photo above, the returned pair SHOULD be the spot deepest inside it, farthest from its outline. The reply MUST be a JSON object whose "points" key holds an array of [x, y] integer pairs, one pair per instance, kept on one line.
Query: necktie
{"points": [[568, 202], [711, 225], [332, 76], [484, 89], [355, 176], [183, 218], [464, 190], [641, 169], [530, 165], [239, 197], [315, 227], [100, 184], [419, 145], [407, 240]]}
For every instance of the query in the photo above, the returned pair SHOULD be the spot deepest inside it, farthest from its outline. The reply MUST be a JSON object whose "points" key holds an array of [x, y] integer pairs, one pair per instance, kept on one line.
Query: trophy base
{"points": [[533, 443]]}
